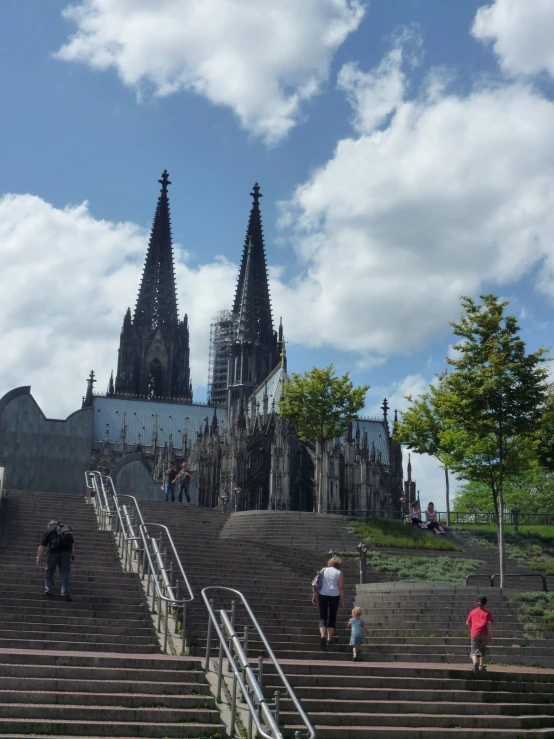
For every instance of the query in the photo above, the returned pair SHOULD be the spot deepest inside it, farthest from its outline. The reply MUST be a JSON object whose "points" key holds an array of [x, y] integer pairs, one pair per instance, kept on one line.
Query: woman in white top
{"points": [[329, 598], [433, 520]]}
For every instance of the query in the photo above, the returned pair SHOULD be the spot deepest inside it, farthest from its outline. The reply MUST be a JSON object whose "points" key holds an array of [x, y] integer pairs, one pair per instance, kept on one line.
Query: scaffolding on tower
{"points": [[221, 335]]}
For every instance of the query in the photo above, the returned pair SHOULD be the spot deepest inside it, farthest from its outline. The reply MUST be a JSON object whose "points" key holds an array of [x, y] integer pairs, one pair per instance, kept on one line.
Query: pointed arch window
{"points": [[155, 378]]}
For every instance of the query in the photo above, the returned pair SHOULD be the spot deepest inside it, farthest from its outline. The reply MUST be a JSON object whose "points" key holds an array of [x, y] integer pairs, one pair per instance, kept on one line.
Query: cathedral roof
{"points": [[376, 434], [272, 385], [144, 417]]}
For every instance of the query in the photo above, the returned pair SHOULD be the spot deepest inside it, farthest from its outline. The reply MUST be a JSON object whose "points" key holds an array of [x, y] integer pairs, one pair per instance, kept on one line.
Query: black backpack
{"points": [[62, 538]]}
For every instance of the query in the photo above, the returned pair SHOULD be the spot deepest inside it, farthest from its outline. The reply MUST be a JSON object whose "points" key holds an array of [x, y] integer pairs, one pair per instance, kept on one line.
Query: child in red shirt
{"points": [[479, 621]]}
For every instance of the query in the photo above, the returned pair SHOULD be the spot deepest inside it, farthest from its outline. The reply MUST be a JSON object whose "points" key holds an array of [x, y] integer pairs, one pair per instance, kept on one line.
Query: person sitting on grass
{"points": [[415, 514], [359, 631], [432, 520], [479, 621]]}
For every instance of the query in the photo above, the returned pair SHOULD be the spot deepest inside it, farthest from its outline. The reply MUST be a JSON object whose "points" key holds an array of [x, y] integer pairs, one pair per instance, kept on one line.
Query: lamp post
{"points": [[237, 492], [224, 499], [331, 553], [362, 549]]}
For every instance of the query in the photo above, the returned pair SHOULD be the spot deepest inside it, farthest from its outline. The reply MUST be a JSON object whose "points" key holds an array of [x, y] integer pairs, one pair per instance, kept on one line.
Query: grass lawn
{"points": [[379, 533], [438, 570]]}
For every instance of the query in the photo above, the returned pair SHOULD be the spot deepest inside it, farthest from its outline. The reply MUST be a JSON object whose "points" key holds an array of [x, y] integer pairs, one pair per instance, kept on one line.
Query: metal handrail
{"points": [[129, 535], [166, 584], [493, 578], [488, 577], [518, 574], [104, 497], [260, 711], [89, 482]]}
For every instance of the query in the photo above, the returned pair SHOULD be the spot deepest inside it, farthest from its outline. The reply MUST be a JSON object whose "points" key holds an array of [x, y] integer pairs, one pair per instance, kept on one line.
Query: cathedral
{"points": [[241, 452]]}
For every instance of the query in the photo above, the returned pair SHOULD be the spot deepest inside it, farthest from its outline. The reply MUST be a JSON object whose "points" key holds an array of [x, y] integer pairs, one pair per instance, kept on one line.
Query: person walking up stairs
{"points": [[60, 542]]}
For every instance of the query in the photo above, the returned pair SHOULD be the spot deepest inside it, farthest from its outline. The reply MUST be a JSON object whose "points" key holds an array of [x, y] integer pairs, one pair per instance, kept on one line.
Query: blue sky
{"points": [[403, 147]]}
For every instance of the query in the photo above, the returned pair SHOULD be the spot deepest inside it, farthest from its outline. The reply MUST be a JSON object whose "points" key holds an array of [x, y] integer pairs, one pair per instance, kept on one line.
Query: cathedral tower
{"points": [[254, 351], [154, 346]]}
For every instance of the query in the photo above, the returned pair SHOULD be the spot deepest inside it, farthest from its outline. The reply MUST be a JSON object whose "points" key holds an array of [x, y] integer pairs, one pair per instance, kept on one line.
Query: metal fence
{"points": [[512, 518]]}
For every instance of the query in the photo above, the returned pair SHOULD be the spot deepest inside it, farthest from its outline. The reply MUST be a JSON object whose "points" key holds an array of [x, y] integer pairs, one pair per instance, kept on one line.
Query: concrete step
{"points": [[64, 727]]}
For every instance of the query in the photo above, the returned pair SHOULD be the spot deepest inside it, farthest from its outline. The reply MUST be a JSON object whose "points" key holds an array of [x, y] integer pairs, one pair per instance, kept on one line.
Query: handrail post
{"points": [[183, 634], [233, 704], [219, 671], [276, 709], [166, 625], [260, 671], [209, 639], [250, 719]]}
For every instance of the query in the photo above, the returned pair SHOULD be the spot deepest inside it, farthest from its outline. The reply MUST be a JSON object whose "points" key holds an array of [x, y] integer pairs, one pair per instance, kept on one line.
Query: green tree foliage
{"points": [[545, 433], [490, 401], [532, 491], [321, 405], [419, 429]]}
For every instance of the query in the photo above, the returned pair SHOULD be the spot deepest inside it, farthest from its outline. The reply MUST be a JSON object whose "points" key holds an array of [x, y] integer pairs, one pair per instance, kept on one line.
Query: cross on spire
{"points": [[385, 406], [256, 194], [164, 182]]}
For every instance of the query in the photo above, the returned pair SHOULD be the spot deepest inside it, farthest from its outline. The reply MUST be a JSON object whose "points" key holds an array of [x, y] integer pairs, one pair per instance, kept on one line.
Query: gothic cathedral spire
{"points": [[254, 351], [154, 347]]}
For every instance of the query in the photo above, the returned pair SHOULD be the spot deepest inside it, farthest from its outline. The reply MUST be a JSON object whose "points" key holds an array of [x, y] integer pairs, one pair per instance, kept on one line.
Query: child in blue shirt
{"points": [[359, 631]]}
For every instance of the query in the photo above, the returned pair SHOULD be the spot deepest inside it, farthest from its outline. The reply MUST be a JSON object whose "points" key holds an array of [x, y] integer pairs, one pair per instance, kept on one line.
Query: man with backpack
{"points": [[60, 542]]}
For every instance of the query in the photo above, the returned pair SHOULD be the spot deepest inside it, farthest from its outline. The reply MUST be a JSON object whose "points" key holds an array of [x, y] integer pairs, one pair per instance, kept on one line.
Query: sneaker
{"points": [[483, 668], [67, 597], [48, 592], [323, 642]]}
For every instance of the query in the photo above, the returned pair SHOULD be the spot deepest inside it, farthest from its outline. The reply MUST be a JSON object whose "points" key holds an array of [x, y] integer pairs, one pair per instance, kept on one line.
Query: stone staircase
{"points": [[419, 623], [315, 532], [416, 679], [362, 701], [91, 667]]}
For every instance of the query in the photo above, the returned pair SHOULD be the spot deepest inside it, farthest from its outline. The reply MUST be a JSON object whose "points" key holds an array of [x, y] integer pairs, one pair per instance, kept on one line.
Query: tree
{"points": [[530, 491], [321, 406], [419, 428], [490, 401], [545, 432]]}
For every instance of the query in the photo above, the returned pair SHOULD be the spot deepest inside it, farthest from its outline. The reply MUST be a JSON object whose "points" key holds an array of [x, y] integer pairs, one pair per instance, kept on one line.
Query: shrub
{"points": [[438, 570]]}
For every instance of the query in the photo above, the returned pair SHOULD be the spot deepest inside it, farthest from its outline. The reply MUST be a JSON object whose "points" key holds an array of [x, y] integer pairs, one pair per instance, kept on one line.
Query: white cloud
{"points": [[451, 192], [261, 59], [521, 34], [65, 284]]}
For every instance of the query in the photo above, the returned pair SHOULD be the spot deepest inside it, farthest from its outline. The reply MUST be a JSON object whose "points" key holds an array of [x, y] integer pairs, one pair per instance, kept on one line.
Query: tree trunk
{"points": [[318, 476], [501, 551], [447, 497]]}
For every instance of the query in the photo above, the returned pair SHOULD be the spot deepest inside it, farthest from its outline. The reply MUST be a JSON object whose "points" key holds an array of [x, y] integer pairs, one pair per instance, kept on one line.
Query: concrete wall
{"points": [[40, 453]]}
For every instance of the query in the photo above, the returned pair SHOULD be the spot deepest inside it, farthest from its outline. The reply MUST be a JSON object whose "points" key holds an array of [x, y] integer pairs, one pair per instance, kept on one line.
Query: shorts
{"points": [[479, 645]]}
